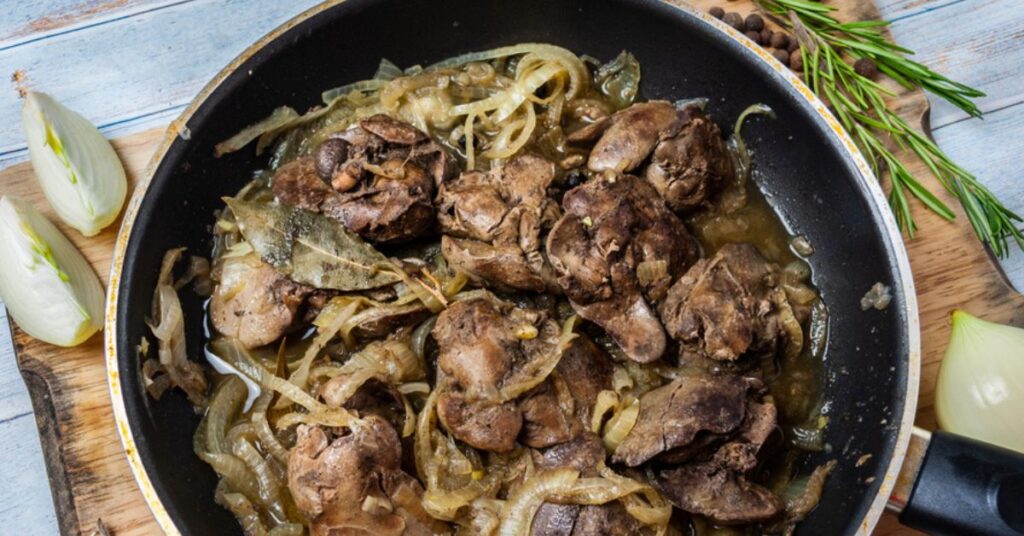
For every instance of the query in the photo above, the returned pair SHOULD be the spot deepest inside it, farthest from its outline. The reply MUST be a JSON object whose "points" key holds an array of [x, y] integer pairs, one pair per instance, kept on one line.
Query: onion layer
{"points": [[49, 288], [980, 392]]}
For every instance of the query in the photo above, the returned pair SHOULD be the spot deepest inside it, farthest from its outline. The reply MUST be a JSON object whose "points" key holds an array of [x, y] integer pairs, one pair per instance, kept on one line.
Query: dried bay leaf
{"points": [[310, 248]]}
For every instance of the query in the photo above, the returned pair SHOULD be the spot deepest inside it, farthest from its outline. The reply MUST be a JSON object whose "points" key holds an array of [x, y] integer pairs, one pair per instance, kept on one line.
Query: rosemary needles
{"points": [[859, 104]]}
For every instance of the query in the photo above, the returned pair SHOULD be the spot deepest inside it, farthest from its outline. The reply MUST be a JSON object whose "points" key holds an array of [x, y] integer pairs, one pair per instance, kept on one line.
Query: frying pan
{"points": [[807, 167]]}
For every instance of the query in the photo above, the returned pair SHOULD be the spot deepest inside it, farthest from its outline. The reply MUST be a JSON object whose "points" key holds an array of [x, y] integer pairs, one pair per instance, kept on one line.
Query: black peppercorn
{"points": [[796, 61], [329, 155], [766, 36], [779, 40], [781, 55], [717, 12], [754, 22], [735, 20], [793, 45], [574, 178], [866, 68], [754, 36]]}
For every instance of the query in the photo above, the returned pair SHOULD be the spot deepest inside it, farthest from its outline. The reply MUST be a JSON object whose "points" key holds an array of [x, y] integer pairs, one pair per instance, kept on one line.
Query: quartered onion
{"points": [[48, 287], [77, 168], [980, 393]]}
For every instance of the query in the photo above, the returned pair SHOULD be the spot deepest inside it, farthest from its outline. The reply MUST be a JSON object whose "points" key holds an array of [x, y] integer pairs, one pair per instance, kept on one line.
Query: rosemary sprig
{"points": [[859, 104]]}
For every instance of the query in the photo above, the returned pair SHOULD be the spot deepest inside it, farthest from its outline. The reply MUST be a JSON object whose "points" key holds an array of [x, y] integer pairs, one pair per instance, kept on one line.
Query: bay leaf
{"points": [[310, 248]]}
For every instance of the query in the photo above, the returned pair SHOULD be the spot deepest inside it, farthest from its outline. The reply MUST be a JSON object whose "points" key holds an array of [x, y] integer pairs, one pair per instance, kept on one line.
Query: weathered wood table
{"points": [[132, 65]]}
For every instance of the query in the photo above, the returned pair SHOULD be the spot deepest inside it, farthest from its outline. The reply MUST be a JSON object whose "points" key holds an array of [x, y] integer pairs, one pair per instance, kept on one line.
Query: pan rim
{"points": [[865, 175]]}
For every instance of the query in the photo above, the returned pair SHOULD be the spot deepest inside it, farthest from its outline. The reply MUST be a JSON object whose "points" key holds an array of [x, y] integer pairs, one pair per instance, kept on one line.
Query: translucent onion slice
{"points": [[517, 515], [980, 393], [48, 287], [225, 368], [77, 168]]}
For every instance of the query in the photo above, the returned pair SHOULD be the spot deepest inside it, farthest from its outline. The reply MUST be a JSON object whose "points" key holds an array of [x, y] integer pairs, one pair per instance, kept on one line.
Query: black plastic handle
{"points": [[965, 487]]}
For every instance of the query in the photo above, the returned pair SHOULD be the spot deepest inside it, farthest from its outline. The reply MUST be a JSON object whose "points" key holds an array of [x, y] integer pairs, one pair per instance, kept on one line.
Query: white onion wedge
{"points": [[76, 166], [980, 392], [50, 290]]}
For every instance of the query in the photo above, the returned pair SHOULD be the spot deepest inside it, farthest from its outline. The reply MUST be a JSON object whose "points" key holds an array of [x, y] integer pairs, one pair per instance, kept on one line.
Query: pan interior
{"points": [[801, 167]]}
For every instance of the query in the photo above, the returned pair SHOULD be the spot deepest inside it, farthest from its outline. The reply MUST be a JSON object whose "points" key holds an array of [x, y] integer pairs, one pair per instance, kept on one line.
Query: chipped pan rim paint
{"points": [[178, 128]]}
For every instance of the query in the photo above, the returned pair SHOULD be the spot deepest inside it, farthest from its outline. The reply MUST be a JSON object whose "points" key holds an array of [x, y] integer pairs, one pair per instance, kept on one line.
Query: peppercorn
{"points": [[796, 61], [865, 67], [574, 178], [735, 20], [754, 36], [717, 12], [780, 40], [754, 22], [781, 55], [794, 44], [766, 36]]}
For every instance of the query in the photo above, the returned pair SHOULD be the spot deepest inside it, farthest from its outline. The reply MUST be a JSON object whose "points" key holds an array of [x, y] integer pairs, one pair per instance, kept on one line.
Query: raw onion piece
{"points": [[981, 383], [49, 288], [77, 168]]}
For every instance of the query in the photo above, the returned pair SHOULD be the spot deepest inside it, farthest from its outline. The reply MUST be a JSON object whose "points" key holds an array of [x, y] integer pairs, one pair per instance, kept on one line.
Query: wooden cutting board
{"points": [[88, 471]]}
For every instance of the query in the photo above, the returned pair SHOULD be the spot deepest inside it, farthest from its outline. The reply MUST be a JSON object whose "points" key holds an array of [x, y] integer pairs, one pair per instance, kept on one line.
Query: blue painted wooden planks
{"points": [[28, 20], [25, 499], [977, 42], [132, 73], [980, 43]]}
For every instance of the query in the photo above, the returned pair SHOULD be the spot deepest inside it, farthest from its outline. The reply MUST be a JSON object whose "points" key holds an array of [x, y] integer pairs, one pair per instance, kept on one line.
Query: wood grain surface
{"points": [[87, 466]]}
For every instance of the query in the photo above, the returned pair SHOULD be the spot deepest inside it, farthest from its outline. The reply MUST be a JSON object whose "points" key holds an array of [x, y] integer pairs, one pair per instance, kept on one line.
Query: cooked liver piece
{"points": [[332, 480], [493, 224], [587, 370], [378, 178], [629, 135], [560, 408], [711, 489], [726, 306], [612, 225], [254, 303], [688, 157], [480, 353], [584, 454], [689, 166], [674, 416], [481, 424], [549, 415], [720, 432]]}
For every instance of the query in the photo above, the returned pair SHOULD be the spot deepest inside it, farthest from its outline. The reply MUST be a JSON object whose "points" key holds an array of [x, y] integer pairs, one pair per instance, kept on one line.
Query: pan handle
{"points": [[953, 485]]}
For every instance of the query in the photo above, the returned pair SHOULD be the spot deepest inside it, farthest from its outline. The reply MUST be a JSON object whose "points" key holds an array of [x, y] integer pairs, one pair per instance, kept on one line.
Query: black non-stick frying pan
{"points": [[807, 167]]}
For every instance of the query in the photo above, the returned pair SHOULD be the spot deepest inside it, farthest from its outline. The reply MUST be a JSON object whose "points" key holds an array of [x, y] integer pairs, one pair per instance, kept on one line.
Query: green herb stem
{"points": [[859, 104]]}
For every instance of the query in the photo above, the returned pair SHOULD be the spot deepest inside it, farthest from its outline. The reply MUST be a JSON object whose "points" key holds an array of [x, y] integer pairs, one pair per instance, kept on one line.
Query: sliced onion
{"points": [[418, 340], [245, 512], [538, 370], [517, 515], [168, 326], [223, 408], [621, 423], [235, 474], [225, 368], [445, 505], [77, 168], [268, 440], [329, 322], [607, 401], [239, 357], [269, 486], [48, 287]]}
